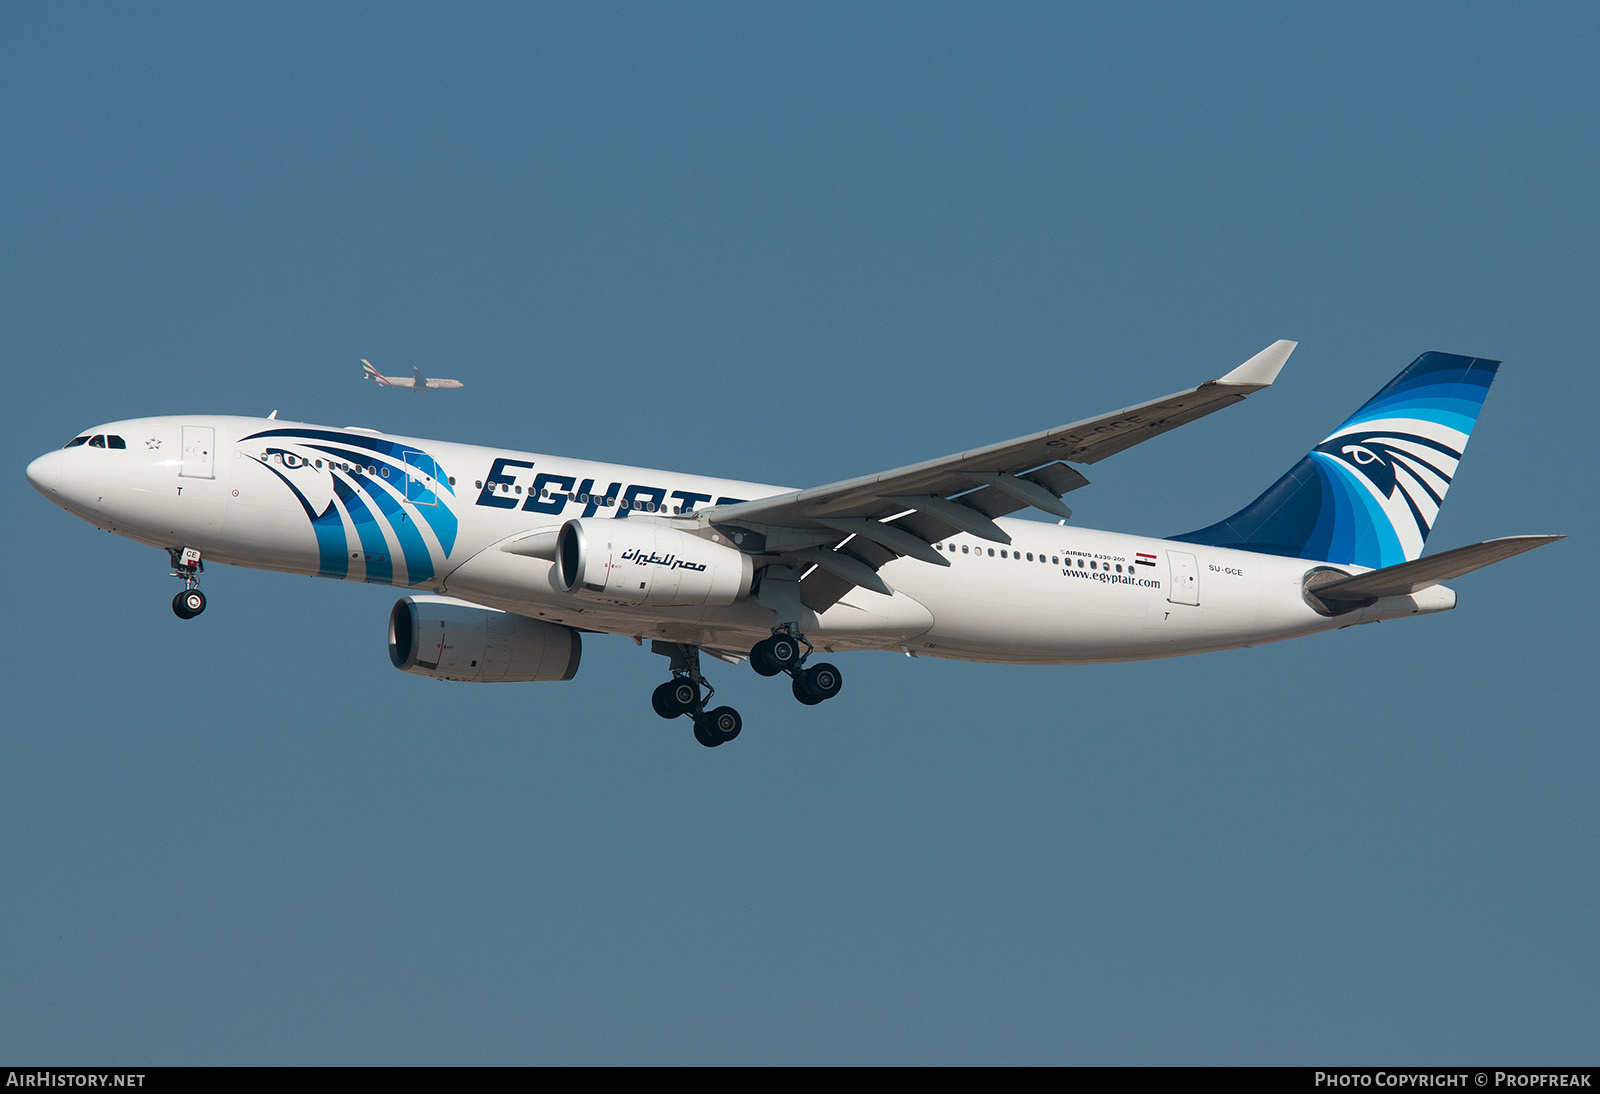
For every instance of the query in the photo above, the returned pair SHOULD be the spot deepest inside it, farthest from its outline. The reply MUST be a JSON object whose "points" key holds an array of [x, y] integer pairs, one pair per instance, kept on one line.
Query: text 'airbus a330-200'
{"points": [[512, 556]]}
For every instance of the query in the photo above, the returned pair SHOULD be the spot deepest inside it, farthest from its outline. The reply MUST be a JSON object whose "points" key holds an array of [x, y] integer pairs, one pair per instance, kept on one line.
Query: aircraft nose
{"points": [[45, 473]]}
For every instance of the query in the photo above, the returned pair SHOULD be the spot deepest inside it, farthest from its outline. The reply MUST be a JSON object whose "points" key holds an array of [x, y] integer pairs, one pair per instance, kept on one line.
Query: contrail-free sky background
{"points": [[793, 244]]}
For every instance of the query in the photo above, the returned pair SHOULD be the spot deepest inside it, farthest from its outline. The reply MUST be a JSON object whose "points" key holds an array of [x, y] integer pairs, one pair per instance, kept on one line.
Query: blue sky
{"points": [[795, 244]]}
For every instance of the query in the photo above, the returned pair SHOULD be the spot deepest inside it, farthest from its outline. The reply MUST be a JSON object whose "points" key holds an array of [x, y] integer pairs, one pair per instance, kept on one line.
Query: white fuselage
{"points": [[431, 515]]}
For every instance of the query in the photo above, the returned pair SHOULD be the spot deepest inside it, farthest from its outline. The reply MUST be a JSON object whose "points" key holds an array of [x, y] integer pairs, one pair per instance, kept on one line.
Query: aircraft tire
{"points": [[821, 682], [718, 726], [761, 661], [770, 656], [189, 603], [803, 693], [677, 696], [784, 651]]}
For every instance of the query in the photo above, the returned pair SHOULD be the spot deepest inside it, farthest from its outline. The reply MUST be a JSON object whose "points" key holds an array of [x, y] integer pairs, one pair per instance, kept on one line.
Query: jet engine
{"points": [[640, 562], [453, 640]]}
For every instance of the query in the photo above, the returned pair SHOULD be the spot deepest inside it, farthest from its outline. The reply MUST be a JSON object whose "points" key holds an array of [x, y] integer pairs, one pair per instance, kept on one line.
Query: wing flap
{"points": [[821, 590]]}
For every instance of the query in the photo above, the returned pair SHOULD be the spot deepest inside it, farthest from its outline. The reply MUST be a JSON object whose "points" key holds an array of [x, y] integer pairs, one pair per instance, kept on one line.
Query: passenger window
{"points": [[963, 549]]}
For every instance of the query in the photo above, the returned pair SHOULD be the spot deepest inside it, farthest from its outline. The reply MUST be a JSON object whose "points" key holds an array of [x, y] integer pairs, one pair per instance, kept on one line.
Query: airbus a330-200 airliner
{"points": [[512, 556]]}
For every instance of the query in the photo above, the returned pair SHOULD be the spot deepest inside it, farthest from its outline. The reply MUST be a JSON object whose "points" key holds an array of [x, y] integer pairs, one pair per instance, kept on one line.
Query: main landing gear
{"points": [[689, 694], [781, 653], [682, 695], [186, 564]]}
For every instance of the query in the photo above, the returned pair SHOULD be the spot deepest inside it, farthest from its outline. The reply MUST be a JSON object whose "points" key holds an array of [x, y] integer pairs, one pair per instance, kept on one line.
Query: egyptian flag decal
{"points": [[1144, 560]]}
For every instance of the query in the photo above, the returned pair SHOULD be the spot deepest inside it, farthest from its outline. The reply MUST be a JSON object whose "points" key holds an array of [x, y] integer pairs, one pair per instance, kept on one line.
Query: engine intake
{"points": [[452, 640], [639, 562]]}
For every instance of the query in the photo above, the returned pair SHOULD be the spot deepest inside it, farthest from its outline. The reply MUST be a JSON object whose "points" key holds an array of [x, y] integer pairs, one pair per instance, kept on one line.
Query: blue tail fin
{"points": [[1369, 494]]}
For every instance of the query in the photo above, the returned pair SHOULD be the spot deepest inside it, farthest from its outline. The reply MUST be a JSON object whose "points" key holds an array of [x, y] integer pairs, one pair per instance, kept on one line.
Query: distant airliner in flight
{"points": [[513, 555], [418, 382]]}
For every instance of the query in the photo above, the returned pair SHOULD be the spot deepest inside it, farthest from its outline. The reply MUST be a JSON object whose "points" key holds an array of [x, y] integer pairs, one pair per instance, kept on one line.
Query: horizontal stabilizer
{"points": [[1410, 577]]}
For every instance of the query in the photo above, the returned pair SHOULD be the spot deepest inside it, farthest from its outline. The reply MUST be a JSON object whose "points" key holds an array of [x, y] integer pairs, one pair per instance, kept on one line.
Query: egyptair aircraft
{"points": [[512, 556], [418, 382]]}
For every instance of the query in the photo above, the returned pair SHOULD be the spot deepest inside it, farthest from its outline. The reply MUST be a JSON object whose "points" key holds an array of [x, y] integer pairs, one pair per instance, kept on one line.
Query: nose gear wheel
{"points": [[186, 564]]}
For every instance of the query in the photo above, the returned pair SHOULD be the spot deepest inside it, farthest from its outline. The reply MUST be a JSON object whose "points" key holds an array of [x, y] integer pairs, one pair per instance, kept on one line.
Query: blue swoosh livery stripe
{"points": [[438, 516], [331, 558], [380, 570], [373, 503], [419, 565], [1328, 508]]}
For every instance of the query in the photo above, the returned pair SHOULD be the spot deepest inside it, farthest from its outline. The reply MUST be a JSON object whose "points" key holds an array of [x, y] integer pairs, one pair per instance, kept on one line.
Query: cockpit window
{"points": [[114, 441], [97, 441], [76, 441]]}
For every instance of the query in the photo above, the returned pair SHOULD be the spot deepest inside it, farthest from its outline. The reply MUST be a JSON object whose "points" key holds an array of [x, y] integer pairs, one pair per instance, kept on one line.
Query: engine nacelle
{"points": [[640, 562], [453, 640]]}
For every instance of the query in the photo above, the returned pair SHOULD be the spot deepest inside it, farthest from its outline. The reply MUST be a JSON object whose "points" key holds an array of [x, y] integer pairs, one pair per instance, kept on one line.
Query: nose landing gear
{"points": [[189, 603], [186, 564]]}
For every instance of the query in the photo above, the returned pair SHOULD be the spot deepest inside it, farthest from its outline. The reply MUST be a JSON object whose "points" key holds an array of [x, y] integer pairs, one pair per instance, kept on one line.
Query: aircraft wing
{"points": [[847, 530], [431, 383]]}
